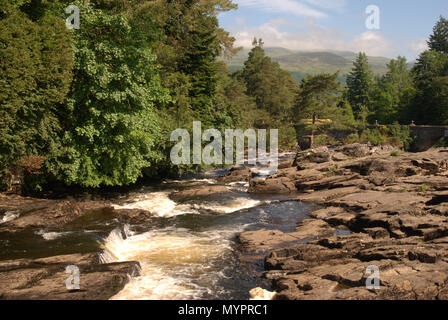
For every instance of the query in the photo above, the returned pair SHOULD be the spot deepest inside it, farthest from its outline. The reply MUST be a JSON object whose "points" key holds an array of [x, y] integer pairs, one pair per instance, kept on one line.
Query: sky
{"points": [[317, 25]]}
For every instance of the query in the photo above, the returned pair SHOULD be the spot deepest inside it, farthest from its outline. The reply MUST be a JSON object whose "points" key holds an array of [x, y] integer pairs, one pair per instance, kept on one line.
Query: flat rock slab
{"points": [[45, 279]]}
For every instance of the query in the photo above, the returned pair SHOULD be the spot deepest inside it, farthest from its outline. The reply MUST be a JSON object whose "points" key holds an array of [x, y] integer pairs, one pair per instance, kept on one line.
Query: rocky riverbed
{"points": [[376, 208], [308, 232]]}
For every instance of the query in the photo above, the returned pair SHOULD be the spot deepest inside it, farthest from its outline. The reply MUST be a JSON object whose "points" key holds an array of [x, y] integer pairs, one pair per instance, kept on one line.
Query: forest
{"points": [[94, 107]]}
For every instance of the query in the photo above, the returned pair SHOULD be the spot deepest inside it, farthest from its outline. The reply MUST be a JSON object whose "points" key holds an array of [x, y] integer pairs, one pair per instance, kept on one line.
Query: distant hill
{"points": [[300, 63]]}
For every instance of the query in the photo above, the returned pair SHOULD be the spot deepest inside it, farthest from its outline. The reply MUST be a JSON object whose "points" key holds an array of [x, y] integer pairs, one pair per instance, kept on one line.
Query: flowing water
{"points": [[188, 251]]}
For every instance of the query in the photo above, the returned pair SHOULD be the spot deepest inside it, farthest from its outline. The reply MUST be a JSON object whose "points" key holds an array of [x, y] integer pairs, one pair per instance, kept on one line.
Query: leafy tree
{"points": [[438, 41], [112, 128], [359, 83]]}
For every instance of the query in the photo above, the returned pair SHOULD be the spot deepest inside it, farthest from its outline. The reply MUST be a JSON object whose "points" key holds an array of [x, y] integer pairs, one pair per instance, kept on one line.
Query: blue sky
{"points": [[314, 25]]}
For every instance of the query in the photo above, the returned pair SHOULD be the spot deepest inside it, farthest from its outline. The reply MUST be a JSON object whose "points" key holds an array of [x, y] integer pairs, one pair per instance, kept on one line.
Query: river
{"points": [[189, 250]]}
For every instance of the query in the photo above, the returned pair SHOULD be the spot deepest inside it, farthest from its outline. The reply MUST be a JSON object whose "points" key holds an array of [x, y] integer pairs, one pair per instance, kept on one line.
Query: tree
{"points": [[274, 89], [438, 41], [391, 94], [35, 63], [430, 73], [359, 83], [321, 96], [111, 125]]}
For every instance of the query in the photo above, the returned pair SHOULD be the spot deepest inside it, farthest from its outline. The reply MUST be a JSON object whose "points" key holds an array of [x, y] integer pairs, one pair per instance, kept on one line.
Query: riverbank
{"points": [[378, 208]]}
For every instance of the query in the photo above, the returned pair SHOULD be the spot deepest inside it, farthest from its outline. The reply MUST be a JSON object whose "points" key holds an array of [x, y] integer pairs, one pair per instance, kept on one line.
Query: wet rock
{"points": [[45, 279], [57, 214], [271, 186], [236, 174], [199, 192]]}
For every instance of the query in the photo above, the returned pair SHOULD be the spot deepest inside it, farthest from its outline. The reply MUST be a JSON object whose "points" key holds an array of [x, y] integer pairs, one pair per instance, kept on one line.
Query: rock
{"points": [[327, 212], [45, 279], [317, 155], [355, 150], [199, 192], [339, 156], [236, 174], [56, 215], [271, 186], [427, 164], [389, 220], [261, 294], [285, 164], [377, 233]]}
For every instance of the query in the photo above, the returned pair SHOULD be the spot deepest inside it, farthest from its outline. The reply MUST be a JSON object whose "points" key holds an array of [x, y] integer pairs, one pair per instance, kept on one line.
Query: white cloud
{"points": [[417, 46], [328, 4], [373, 43], [295, 7], [316, 38]]}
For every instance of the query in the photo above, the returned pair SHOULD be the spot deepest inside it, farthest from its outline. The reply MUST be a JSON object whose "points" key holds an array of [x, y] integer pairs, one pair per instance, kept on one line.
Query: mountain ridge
{"points": [[301, 63]]}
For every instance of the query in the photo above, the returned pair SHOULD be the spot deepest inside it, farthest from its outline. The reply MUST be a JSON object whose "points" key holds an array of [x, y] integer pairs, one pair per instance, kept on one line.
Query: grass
{"points": [[423, 188], [395, 153], [333, 169]]}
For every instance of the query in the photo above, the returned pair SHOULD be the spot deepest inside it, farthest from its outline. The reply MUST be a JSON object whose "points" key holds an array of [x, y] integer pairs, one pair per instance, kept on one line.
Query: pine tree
{"points": [[430, 73], [390, 95], [359, 83], [438, 41]]}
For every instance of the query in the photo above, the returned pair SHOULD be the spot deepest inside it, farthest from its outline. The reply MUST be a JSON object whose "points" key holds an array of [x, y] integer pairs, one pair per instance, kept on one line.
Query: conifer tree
{"points": [[359, 83]]}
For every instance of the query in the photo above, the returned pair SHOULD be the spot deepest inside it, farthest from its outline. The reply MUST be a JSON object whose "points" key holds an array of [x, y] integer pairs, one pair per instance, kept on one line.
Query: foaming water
{"points": [[176, 263], [159, 204], [9, 216], [190, 252], [51, 235]]}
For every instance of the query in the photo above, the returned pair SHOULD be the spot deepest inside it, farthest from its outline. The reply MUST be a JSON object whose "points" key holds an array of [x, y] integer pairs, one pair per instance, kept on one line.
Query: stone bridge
{"points": [[428, 136]]}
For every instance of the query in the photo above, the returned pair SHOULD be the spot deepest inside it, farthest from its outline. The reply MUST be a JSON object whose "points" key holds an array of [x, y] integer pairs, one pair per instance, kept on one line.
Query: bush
{"points": [[402, 134]]}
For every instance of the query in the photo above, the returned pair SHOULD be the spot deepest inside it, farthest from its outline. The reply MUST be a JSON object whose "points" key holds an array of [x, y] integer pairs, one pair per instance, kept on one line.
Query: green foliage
{"points": [[391, 94], [359, 83], [431, 82], [402, 134], [35, 63], [112, 128], [395, 135], [438, 41], [424, 188], [274, 89]]}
